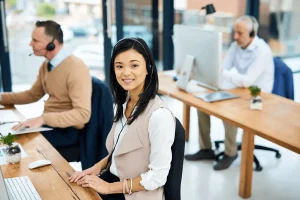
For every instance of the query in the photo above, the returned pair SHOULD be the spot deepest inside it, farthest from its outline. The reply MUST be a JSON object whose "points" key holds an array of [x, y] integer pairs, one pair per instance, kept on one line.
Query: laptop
{"points": [[216, 96]]}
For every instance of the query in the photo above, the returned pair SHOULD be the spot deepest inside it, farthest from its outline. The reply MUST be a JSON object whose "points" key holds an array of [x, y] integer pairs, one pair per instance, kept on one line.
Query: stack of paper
{"points": [[8, 116]]}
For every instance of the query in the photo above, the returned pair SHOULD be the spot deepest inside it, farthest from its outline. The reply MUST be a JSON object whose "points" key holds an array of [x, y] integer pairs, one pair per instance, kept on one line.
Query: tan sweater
{"points": [[69, 86]]}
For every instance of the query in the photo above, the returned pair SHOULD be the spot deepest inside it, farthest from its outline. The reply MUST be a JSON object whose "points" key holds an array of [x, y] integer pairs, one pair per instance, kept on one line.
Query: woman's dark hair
{"points": [[151, 81]]}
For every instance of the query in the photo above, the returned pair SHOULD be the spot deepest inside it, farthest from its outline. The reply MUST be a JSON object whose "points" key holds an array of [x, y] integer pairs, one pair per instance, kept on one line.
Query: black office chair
{"points": [[91, 147], [283, 86], [172, 188], [258, 167]]}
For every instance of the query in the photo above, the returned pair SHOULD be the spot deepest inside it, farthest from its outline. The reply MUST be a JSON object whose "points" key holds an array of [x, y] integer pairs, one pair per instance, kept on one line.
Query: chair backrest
{"points": [[93, 135], [172, 187], [283, 80]]}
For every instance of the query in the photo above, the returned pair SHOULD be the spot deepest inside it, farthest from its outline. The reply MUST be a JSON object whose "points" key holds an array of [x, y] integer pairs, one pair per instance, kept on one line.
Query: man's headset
{"points": [[50, 46], [252, 32]]}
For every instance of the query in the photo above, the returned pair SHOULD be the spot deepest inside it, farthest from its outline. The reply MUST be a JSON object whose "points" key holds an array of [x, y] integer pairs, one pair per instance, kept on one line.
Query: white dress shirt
{"points": [[58, 58], [251, 66], [161, 130]]}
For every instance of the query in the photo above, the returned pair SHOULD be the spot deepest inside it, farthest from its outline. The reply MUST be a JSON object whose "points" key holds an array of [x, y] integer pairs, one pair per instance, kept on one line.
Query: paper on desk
{"points": [[7, 128], [2, 154], [8, 116]]}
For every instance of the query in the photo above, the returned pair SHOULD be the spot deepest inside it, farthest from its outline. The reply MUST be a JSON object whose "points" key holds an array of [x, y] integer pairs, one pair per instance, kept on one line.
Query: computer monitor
{"points": [[205, 47]]}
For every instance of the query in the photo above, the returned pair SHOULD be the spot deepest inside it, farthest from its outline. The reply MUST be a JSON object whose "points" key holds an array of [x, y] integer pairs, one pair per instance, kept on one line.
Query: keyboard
{"points": [[20, 188]]}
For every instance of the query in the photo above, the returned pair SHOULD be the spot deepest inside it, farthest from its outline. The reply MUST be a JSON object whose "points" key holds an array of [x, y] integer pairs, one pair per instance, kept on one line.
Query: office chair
{"points": [[91, 147], [172, 188], [283, 86]]}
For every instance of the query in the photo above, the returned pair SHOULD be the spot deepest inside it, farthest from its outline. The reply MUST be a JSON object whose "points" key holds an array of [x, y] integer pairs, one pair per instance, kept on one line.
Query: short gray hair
{"points": [[252, 23]]}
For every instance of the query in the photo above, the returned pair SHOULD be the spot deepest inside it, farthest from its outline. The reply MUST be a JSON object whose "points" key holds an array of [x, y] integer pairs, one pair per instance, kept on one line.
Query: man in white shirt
{"points": [[249, 61]]}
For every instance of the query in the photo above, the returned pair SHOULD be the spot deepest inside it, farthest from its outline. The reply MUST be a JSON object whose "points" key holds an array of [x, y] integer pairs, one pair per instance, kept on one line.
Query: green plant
{"points": [[11, 3], [45, 10], [8, 140], [254, 90]]}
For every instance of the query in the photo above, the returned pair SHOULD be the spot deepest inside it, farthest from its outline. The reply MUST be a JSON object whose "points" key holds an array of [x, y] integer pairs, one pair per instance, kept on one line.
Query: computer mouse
{"points": [[39, 163], [175, 78]]}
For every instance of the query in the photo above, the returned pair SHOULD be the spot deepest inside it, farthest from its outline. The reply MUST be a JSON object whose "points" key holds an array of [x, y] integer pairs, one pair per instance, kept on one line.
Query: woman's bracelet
{"points": [[130, 191], [126, 190]]}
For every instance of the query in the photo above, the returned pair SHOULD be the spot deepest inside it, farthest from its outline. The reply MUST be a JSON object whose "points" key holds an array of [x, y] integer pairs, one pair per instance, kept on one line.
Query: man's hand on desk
{"points": [[31, 123]]}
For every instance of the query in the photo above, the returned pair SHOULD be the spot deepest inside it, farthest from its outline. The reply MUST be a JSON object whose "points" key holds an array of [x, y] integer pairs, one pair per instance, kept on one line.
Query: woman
{"points": [[139, 143]]}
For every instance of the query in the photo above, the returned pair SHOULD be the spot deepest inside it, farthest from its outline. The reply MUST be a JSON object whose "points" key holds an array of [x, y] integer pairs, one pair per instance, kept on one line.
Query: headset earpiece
{"points": [[149, 68], [252, 32], [51, 46]]}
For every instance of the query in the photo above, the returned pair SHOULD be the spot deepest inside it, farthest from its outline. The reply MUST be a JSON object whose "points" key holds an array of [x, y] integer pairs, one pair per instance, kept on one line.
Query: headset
{"points": [[150, 67], [51, 46], [252, 32]]}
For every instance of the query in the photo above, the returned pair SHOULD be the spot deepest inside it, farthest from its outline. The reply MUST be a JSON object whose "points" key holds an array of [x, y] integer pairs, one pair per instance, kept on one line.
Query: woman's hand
{"points": [[95, 183], [95, 170]]}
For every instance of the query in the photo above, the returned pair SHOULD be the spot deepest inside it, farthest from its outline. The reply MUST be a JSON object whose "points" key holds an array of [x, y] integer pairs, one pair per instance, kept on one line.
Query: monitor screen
{"points": [[206, 48]]}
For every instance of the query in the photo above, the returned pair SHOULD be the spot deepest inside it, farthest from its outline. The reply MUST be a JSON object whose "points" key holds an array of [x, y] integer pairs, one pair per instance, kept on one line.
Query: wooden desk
{"points": [[51, 181], [277, 122]]}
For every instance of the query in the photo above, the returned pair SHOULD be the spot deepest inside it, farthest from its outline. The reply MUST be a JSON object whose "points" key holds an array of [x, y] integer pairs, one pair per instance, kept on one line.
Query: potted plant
{"points": [[256, 101], [13, 151]]}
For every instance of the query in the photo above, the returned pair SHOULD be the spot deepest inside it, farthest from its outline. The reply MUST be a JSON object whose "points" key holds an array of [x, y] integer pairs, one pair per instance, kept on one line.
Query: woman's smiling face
{"points": [[130, 69]]}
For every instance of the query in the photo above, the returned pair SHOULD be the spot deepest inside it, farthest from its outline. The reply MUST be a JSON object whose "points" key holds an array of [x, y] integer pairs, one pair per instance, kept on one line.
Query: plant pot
{"points": [[13, 154], [256, 103]]}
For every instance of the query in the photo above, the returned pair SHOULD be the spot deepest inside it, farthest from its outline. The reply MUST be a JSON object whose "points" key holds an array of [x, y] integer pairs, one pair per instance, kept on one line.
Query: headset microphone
{"points": [[36, 51]]}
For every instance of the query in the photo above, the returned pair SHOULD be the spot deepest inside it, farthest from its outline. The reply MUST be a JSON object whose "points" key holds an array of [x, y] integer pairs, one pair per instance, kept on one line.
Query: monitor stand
{"points": [[185, 73]]}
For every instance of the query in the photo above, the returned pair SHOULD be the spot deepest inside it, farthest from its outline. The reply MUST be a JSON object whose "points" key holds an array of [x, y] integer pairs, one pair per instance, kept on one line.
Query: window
{"points": [[222, 20], [131, 11], [146, 13], [21, 18], [279, 21]]}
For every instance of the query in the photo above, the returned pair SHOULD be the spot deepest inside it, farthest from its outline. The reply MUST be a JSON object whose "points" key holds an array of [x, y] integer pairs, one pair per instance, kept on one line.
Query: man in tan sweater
{"points": [[66, 80]]}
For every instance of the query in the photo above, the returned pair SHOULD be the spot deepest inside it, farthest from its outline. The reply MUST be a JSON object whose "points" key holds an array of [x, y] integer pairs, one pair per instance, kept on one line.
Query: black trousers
{"points": [[65, 141], [62, 137], [110, 178]]}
